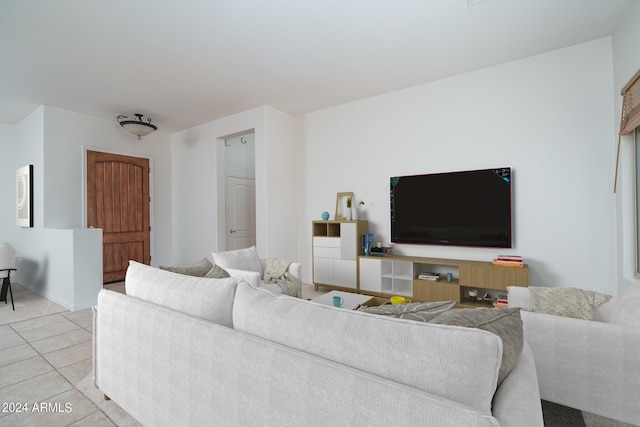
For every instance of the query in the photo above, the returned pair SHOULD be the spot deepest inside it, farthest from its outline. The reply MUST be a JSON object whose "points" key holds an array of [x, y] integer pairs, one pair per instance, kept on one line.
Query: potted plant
{"points": [[348, 209]]}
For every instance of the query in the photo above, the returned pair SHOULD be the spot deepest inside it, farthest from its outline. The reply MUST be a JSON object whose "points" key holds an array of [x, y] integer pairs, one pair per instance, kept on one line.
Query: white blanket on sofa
{"points": [[276, 271]]}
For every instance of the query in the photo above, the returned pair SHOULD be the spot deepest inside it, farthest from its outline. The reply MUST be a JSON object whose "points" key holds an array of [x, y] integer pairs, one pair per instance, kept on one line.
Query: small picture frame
{"points": [[341, 205], [24, 196]]}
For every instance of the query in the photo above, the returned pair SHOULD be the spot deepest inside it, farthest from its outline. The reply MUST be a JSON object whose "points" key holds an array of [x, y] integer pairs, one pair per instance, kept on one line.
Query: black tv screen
{"points": [[468, 208]]}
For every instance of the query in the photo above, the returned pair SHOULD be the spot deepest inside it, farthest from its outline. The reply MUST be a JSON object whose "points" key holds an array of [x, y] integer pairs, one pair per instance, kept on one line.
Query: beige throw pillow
{"points": [[567, 302]]}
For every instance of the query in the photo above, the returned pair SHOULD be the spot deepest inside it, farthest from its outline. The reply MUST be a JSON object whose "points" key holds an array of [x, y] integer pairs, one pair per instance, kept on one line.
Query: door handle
{"points": [[232, 231]]}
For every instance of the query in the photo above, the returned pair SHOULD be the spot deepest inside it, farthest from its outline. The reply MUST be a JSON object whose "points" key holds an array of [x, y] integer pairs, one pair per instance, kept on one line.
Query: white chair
{"points": [[591, 365], [247, 265], [7, 265]]}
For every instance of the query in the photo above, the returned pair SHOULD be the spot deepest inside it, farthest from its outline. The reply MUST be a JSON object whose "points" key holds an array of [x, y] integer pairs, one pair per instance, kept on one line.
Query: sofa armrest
{"points": [[295, 269], [251, 277], [518, 397], [587, 365]]}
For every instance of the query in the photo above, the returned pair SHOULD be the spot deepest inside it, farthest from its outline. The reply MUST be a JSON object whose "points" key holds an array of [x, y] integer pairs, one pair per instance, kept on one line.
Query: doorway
{"points": [[118, 203], [241, 212], [239, 206]]}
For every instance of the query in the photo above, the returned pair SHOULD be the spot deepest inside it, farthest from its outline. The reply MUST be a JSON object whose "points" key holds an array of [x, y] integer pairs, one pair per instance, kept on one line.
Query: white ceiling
{"points": [[188, 62]]}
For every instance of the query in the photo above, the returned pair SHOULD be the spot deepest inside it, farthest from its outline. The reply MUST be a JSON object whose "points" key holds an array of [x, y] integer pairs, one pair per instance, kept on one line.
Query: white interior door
{"points": [[241, 212]]}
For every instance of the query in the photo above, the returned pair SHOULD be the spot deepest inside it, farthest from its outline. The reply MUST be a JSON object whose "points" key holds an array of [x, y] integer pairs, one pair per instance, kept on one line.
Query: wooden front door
{"points": [[118, 203]]}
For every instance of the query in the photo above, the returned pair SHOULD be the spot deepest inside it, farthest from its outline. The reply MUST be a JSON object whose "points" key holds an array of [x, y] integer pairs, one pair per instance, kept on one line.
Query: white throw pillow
{"points": [[209, 299], [240, 259]]}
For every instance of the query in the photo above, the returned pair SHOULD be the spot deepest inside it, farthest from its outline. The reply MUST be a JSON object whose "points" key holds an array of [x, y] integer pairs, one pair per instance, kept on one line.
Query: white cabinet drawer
{"points": [[323, 270], [327, 242], [345, 273], [322, 252]]}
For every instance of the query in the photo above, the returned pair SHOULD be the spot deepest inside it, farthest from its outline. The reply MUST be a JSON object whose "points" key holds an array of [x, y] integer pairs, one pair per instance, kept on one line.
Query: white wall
{"points": [[7, 182], [279, 192], [626, 62], [549, 117], [198, 185], [58, 258], [67, 135], [63, 265], [533, 115], [240, 159]]}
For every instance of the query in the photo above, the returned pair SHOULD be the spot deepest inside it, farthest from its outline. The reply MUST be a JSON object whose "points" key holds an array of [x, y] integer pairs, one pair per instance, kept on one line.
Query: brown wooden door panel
{"points": [[117, 258], [118, 202]]}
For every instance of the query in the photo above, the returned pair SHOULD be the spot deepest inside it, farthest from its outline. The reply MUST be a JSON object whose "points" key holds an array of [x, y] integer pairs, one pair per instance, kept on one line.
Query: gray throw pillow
{"points": [[217, 272], [420, 311], [504, 322], [199, 269]]}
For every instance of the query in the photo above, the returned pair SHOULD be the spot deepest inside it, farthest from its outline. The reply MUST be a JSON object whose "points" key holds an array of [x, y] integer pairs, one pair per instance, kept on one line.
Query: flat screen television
{"points": [[467, 208]]}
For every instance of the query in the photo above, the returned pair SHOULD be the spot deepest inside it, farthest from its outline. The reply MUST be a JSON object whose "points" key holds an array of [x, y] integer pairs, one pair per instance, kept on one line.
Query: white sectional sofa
{"points": [[179, 350], [591, 365]]}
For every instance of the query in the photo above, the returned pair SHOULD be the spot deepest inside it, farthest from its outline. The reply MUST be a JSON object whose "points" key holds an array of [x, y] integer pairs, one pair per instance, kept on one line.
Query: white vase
{"points": [[348, 214], [354, 214]]}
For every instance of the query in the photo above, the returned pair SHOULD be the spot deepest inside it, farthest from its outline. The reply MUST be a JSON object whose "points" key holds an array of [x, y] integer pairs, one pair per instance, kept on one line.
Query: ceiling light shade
{"points": [[137, 126]]}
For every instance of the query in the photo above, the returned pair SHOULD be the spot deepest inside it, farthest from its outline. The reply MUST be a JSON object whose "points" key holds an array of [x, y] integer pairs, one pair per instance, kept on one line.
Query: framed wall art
{"points": [[24, 196], [341, 205]]}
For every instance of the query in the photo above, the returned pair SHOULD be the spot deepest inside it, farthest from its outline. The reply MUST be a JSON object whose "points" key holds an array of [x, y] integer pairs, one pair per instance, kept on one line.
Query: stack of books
{"points": [[501, 301], [515, 261], [381, 251], [434, 277]]}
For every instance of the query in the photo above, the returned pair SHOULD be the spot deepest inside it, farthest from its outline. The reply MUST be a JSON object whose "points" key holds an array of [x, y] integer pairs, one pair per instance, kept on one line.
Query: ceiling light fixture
{"points": [[136, 126]]}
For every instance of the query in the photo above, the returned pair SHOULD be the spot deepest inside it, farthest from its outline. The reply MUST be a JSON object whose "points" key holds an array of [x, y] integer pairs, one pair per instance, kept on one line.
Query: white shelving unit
{"points": [[387, 277], [336, 246]]}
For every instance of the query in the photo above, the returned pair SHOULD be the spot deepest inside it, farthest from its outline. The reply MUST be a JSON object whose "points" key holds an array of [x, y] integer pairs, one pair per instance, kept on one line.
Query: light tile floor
{"points": [[41, 362], [43, 359]]}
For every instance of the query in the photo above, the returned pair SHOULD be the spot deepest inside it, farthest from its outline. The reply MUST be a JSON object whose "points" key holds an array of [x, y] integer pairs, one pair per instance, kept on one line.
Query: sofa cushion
{"points": [[169, 369], [199, 269], [420, 311], [210, 299], [504, 322], [239, 259], [567, 302], [460, 364], [626, 309]]}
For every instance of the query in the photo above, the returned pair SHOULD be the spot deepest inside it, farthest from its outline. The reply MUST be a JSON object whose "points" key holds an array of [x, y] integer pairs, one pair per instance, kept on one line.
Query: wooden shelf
{"points": [[467, 274]]}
